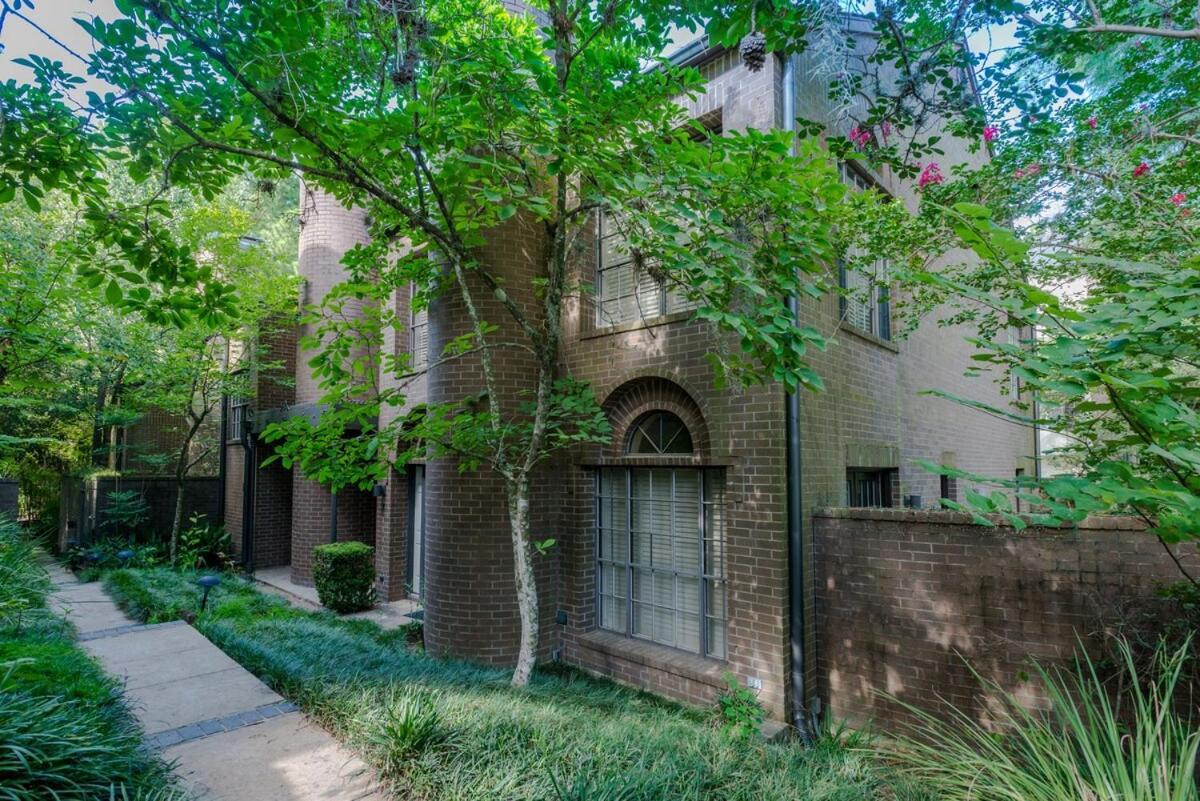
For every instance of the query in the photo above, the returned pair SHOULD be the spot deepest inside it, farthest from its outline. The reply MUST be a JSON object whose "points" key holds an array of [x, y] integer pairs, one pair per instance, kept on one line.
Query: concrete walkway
{"points": [[230, 737], [386, 614]]}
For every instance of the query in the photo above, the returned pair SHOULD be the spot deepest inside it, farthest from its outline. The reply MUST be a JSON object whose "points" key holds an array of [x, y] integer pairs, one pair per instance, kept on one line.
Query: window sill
{"points": [[637, 325], [886, 344], [705, 670]]}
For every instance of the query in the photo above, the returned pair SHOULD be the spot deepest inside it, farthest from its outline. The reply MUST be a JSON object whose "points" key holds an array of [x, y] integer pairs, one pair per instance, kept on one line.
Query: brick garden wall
{"points": [[904, 596]]}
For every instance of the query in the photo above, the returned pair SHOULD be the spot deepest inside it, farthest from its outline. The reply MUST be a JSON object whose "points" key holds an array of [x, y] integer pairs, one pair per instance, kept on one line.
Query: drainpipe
{"points": [[222, 458], [333, 512], [249, 467], [795, 520]]}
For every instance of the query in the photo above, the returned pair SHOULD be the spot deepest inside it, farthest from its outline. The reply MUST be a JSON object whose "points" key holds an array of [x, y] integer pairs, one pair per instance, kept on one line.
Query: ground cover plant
{"points": [[453, 730], [1092, 743], [65, 732]]}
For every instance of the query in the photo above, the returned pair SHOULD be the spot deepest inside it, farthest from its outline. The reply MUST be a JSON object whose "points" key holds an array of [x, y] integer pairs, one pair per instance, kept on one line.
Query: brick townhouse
{"points": [[683, 548]]}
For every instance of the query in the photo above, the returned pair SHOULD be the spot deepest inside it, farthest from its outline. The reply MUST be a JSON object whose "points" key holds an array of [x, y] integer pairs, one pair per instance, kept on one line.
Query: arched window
{"points": [[659, 433], [660, 557]]}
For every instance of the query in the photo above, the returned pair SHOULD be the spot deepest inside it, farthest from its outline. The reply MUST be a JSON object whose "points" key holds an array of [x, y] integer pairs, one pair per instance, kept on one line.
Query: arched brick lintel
{"points": [[626, 404]]}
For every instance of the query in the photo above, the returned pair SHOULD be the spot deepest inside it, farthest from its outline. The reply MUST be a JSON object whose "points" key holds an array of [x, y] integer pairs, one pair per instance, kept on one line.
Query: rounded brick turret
{"points": [[470, 591], [328, 230]]}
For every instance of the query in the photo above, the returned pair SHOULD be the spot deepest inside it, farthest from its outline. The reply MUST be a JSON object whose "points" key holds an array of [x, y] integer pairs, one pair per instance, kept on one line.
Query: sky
{"points": [[19, 39]]}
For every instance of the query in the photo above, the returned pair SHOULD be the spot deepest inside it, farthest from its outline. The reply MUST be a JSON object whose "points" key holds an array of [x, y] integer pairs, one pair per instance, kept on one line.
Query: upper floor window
{"points": [[418, 338], [625, 290], [865, 302]]}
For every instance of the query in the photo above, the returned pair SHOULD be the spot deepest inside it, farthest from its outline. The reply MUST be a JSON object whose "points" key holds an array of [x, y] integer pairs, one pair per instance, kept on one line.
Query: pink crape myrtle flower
{"points": [[1092, 122], [885, 128], [1028, 171], [932, 174], [1141, 170], [990, 132], [861, 137], [1178, 199]]}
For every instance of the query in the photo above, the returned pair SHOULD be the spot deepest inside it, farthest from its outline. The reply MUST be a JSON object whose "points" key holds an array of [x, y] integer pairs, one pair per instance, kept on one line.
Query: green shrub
{"points": [[741, 715], [1088, 745], [204, 545], [90, 561], [344, 573], [123, 513]]}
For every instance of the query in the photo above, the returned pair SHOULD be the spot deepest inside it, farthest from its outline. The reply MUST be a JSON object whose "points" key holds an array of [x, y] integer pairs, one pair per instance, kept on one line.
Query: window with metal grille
{"points": [[865, 302], [660, 552], [869, 488], [626, 291], [949, 488]]}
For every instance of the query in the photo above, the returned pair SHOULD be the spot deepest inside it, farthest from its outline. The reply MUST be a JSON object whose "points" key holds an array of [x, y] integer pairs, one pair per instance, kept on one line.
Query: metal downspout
{"points": [[795, 521], [249, 466], [222, 458]]}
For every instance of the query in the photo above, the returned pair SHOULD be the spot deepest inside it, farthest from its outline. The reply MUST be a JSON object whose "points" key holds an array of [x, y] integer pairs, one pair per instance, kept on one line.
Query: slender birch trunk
{"points": [[527, 595]]}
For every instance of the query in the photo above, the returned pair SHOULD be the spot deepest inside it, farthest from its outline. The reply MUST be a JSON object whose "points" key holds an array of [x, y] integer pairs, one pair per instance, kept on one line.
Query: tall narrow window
{"points": [[661, 546], [865, 303], [418, 334]]}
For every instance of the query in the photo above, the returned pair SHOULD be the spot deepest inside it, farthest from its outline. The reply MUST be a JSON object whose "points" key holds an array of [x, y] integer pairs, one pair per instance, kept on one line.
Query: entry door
{"points": [[416, 529]]}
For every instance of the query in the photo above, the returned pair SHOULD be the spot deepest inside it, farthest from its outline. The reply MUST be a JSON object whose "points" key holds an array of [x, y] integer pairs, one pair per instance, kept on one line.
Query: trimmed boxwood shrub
{"points": [[344, 573]]}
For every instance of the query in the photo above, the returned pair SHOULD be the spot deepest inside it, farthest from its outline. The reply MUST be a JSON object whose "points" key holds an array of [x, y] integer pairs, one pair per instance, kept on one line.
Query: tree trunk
{"points": [[177, 522], [527, 596]]}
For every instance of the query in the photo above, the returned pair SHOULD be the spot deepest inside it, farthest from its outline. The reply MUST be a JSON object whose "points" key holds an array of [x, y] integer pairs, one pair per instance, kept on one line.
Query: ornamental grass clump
{"points": [[65, 732], [344, 573], [1093, 744]]}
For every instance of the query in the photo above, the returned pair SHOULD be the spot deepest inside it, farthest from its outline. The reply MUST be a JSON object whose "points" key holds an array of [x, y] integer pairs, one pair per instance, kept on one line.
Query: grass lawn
{"points": [[451, 730], [65, 732]]}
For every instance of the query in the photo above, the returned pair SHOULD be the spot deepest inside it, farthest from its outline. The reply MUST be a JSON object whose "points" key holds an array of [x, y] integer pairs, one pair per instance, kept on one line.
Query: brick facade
{"points": [[904, 597], [872, 415]]}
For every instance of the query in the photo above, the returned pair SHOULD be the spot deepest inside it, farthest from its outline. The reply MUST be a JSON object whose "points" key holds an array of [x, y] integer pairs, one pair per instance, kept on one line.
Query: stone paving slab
{"points": [[150, 656], [286, 758], [88, 608], [230, 737]]}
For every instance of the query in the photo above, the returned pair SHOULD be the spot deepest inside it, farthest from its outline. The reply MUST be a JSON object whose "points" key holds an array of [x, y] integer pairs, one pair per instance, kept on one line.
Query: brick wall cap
{"points": [[952, 518]]}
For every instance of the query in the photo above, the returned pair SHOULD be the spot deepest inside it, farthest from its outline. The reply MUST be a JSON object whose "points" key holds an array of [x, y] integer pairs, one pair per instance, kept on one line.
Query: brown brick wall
{"points": [[327, 231], [310, 521], [470, 595], [272, 512], [151, 445], [871, 412], [391, 537], [904, 596]]}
